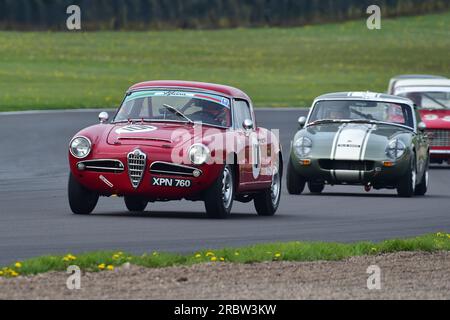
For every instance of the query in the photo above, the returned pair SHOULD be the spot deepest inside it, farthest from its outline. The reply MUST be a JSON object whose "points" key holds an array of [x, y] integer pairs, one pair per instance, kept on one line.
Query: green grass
{"points": [[292, 251], [276, 66]]}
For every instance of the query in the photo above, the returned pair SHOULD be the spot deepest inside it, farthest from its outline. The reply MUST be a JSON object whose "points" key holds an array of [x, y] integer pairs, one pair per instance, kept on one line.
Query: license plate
{"points": [[171, 182]]}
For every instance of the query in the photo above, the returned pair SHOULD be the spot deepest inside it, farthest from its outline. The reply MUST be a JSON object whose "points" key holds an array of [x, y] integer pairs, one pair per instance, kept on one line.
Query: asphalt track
{"points": [[35, 218]]}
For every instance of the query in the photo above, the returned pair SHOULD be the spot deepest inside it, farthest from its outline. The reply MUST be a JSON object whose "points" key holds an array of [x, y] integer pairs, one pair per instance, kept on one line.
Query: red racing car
{"points": [[173, 140]]}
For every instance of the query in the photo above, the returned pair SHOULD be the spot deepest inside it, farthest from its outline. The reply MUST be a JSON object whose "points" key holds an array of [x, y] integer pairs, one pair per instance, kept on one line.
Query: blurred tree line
{"points": [[196, 14]]}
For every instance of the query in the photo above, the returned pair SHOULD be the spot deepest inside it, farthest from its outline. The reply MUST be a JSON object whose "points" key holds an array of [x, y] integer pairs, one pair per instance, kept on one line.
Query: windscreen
{"points": [[159, 105], [348, 110]]}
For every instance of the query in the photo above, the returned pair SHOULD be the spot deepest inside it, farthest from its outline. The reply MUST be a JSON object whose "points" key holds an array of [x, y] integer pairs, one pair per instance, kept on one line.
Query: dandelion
{"points": [[110, 268], [213, 259], [69, 257], [198, 255], [13, 274], [210, 254], [102, 266], [222, 259], [18, 265]]}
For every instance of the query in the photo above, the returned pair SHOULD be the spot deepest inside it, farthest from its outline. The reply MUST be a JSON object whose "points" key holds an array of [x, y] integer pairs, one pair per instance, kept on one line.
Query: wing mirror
{"points": [[422, 126], [301, 122], [103, 117], [248, 124]]}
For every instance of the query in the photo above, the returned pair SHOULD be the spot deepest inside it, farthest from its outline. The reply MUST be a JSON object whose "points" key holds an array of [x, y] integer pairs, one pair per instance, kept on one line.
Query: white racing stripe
{"points": [[350, 143]]}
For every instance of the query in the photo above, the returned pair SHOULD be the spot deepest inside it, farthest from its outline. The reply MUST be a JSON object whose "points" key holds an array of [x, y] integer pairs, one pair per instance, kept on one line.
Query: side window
{"points": [[241, 113]]}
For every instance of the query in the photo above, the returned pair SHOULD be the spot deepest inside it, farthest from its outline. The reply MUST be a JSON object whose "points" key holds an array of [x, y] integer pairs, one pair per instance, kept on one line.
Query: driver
{"points": [[339, 112]]}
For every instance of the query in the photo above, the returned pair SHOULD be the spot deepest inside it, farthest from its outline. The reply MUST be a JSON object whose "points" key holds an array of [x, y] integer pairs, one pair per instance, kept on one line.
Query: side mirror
{"points": [[301, 122], [248, 124], [422, 126], [103, 117]]}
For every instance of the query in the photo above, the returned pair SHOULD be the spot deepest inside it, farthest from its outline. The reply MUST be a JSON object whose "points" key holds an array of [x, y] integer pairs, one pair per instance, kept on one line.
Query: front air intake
{"points": [[136, 166]]}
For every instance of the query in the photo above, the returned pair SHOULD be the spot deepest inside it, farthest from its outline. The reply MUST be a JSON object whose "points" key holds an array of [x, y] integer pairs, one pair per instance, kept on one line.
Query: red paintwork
{"points": [[106, 145], [435, 120]]}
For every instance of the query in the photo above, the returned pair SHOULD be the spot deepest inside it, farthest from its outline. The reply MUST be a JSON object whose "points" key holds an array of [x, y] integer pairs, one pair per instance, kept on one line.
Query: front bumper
{"points": [[378, 173], [118, 181]]}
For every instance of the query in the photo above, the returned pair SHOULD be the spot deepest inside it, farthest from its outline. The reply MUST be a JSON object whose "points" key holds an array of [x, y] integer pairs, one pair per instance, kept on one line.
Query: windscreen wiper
{"points": [[178, 112]]}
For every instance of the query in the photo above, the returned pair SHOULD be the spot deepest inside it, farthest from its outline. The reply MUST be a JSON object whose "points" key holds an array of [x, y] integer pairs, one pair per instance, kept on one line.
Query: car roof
{"points": [[423, 83], [370, 96], [417, 76], [202, 86]]}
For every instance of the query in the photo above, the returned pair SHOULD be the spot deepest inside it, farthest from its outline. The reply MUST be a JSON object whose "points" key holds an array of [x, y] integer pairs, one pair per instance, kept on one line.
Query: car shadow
{"points": [[179, 215], [370, 195]]}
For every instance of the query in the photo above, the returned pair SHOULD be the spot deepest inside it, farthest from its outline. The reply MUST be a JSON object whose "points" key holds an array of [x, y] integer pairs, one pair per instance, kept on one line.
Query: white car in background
{"points": [[394, 80], [432, 98]]}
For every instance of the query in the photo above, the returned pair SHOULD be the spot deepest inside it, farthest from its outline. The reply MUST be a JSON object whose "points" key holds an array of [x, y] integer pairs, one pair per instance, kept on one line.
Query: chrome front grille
{"points": [[101, 165], [439, 138], [172, 169], [136, 166]]}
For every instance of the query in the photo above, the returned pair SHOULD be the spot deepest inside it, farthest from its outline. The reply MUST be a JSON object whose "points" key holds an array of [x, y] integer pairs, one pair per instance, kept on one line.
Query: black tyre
{"points": [[220, 196], [407, 183], [422, 187], [81, 200], [316, 188], [267, 202], [135, 204], [295, 183]]}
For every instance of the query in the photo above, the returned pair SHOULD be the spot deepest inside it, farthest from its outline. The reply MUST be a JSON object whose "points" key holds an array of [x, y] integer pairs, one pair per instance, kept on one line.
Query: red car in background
{"points": [[173, 140], [432, 98]]}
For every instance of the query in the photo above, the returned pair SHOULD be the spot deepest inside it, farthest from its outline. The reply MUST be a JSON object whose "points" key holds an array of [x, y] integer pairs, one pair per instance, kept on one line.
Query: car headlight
{"points": [[395, 149], [302, 147], [80, 147], [199, 154]]}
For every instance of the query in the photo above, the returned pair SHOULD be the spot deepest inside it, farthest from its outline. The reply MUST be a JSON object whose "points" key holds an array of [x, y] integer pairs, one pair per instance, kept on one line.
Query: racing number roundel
{"points": [[256, 157]]}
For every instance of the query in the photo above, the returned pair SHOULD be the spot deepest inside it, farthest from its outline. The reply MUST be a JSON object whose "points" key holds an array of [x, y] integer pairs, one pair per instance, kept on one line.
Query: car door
{"points": [[422, 147], [249, 154]]}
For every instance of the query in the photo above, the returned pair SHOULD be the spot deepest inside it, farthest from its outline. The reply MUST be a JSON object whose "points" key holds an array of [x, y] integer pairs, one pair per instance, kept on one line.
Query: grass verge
{"points": [[291, 251], [282, 67]]}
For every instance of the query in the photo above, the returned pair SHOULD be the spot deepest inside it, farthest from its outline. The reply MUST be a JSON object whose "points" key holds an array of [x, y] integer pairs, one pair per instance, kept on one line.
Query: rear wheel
{"points": [[135, 204], [295, 183], [267, 202], [81, 200], [220, 196], [407, 184], [315, 187]]}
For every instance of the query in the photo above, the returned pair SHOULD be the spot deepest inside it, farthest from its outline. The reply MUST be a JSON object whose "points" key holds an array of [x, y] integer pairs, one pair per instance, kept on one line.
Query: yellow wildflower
{"points": [[213, 259], [110, 268], [14, 274], [236, 253], [198, 255], [222, 259], [277, 255], [101, 266], [18, 265], [210, 254]]}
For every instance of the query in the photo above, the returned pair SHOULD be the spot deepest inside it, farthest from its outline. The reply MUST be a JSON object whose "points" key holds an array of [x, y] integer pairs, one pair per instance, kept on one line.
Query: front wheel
{"points": [[422, 187], [407, 183], [135, 204], [295, 183], [81, 200], [220, 196], [316, 188], [267, 202]]}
